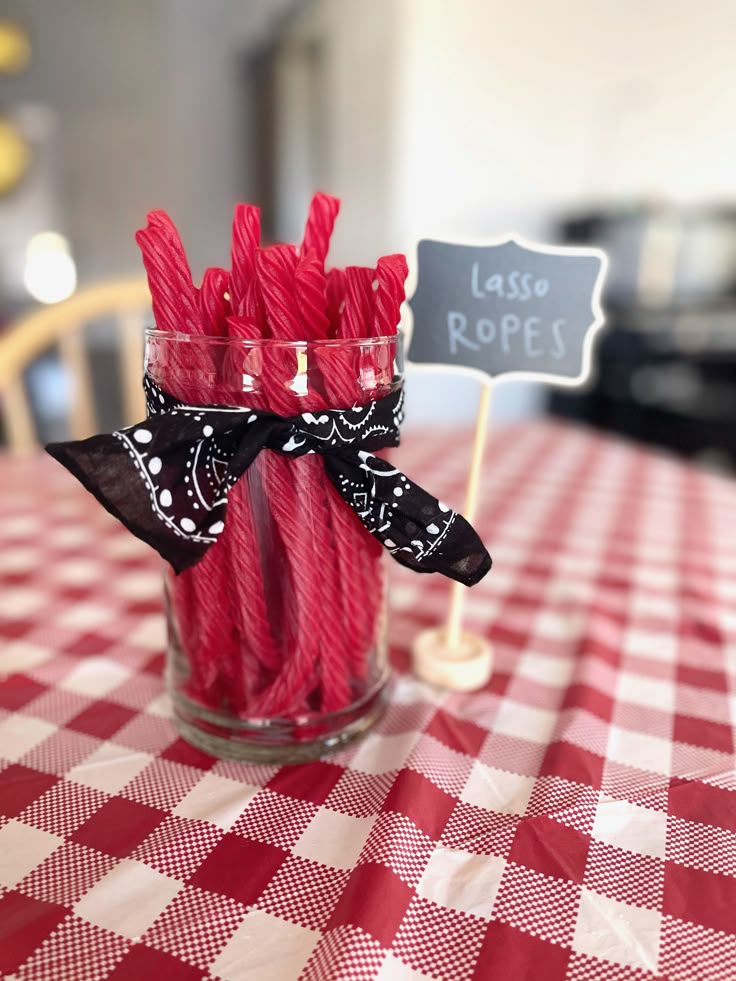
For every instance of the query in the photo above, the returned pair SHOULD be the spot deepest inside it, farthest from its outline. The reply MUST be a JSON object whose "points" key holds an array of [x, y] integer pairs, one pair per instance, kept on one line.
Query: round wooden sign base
{"points": [[466, 667]]}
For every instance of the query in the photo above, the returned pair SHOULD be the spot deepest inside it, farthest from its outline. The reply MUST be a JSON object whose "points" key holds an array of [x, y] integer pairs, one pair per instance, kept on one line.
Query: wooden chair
{"points": [[128, 301]]}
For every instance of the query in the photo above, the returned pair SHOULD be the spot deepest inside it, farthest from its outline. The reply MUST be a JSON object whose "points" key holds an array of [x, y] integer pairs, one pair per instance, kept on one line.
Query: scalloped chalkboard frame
{"points": [[452, 278]]}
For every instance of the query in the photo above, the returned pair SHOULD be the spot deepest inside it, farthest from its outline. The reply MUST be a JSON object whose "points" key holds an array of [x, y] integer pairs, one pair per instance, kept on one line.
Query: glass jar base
{"points": [[280, 741]]}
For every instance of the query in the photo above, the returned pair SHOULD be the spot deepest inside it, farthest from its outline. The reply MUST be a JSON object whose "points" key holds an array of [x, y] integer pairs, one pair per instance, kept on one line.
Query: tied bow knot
{"points": [[167, 479]]}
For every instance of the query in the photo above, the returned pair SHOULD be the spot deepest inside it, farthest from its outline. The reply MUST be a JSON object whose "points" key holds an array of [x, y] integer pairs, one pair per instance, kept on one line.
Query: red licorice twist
{"points": [[296, 485], [357, 312], [323, 211], [261, 640], [213, 302], [246, 237], [335, 299]]}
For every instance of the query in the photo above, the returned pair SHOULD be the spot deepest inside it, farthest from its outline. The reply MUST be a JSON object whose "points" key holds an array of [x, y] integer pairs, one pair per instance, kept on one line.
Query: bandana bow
{"points": [[167, 479]]}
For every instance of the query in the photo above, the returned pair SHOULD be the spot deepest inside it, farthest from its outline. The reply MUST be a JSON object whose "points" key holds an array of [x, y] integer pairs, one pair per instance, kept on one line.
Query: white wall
{"points": [[205, 113], [150, 115], [503, 114], [511, 113], [359, 61], [96, 67]]}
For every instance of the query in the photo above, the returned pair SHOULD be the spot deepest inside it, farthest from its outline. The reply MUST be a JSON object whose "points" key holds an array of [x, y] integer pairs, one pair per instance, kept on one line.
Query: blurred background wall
{"points": [[145, 106], [478, 118], [600, 120]]}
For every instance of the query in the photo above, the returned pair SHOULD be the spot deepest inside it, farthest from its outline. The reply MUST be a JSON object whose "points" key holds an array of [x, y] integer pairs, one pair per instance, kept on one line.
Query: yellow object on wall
{"points": [[15, 48], [15, 156]]}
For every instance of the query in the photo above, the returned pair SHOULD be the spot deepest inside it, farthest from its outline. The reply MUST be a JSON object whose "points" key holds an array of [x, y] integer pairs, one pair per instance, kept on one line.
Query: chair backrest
{"points": [[128, 301]]}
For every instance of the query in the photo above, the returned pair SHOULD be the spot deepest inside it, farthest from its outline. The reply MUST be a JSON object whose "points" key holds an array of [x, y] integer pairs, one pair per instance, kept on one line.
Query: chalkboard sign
{"points": [[510, 308]]}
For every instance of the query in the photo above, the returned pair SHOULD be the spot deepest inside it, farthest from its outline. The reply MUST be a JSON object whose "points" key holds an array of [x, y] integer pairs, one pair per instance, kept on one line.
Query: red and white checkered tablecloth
{"points": [[576, 820]]}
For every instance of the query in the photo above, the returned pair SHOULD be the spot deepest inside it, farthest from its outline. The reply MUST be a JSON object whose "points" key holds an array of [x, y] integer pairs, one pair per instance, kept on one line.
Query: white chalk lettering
{"points": [[457, 324], [486, 331], [558, 351], [516, 285], [532, 334], [474, 288], [510, 324], [494, 284], [520, 286], [519, 337]]}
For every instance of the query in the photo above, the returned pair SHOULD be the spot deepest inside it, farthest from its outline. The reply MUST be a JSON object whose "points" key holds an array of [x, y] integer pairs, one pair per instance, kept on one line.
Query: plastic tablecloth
{"points": [[576, 819]]}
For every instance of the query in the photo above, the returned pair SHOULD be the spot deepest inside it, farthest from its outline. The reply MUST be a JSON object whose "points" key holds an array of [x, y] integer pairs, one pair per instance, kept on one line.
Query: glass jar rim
{"points": [[153, 333]]}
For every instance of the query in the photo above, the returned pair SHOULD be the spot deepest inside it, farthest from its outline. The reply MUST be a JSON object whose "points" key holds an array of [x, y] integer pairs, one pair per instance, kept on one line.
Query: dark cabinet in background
{"points": [[666, 361]]}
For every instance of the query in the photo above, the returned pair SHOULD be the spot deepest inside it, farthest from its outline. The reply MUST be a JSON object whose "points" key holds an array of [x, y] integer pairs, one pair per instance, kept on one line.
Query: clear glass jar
{"points": [[277, 638]]}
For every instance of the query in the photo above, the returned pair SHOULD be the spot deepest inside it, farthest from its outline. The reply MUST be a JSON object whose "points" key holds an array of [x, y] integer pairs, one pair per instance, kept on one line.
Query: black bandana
{"points": [[167, 479]]}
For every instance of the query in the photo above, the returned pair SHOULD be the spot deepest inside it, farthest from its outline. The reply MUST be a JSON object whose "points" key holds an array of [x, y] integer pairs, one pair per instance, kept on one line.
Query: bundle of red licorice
{"points": [[280, 616]]}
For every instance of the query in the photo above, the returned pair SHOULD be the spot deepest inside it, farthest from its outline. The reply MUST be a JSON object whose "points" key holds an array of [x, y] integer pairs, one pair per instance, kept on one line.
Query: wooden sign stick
{"points": [[448, 656], [457, 601], [506, 309]]}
